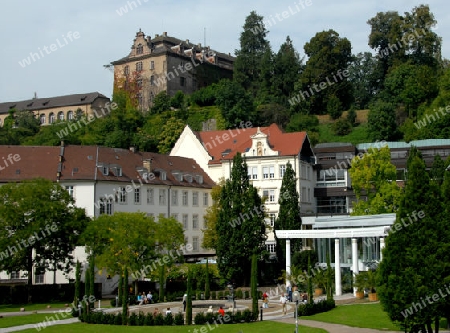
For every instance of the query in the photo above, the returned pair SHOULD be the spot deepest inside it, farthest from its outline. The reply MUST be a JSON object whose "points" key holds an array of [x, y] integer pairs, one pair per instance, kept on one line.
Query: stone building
{"points": [[165, 63], [51, 109]]}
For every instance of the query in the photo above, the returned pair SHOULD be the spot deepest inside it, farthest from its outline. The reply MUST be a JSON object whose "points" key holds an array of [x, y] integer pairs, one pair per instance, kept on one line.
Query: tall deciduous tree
{"points": [[41, 227], [329, 56], [212, 213], [254, 283], [415, 263], [240, 225], [189, 298], [374, 182], [289, 214]]}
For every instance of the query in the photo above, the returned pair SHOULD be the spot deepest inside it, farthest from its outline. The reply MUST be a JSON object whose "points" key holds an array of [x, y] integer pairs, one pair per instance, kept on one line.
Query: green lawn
{"points": [[26, 319], [32, 307], [357, 135], [357, 315], [265, 326]]}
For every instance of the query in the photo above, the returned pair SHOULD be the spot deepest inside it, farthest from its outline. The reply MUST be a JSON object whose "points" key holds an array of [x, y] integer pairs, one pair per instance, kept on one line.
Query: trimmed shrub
{"points": [[220, 294], [148, 321], [213, 295], [311, 309], [210, 318], [133, 319], [158, 320], [179, 319], [200, 319], [246, 294], [238, 294], [168, 319]]}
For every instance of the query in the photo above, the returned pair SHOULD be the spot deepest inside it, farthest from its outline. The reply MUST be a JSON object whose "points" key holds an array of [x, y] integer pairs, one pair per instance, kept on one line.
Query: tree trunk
{"points": [[436, 324]]}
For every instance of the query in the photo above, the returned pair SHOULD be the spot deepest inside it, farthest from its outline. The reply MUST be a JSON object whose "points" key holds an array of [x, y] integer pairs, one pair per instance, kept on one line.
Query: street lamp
{"points": [[295, 298]]}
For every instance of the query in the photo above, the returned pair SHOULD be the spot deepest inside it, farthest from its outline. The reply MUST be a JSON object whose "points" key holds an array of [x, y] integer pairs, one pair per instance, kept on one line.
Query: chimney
{"points": [[165, 33], [147, 164], [187, 41], [199, 45]]}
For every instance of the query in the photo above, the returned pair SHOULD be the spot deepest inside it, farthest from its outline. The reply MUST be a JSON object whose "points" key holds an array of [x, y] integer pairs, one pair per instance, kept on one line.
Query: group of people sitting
{"points": [[145, 299]]}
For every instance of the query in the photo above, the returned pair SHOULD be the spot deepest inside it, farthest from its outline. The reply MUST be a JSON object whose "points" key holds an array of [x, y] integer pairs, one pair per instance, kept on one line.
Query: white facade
{"points": [[266, 167]]}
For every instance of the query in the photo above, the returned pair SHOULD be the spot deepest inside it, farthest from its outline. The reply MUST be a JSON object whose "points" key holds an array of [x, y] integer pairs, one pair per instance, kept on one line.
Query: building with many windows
{"points": [[165, 63], [107, 180], [267, 150], [52, 109]]}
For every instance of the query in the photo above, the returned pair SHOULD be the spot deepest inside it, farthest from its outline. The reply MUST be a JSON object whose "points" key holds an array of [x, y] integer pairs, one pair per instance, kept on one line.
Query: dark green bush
{"points": [[213, 295], [168, 319], [200, 319], [311, 309], [179, 319], [133, 319], [158, 320], [148, 321], [238, 294]]}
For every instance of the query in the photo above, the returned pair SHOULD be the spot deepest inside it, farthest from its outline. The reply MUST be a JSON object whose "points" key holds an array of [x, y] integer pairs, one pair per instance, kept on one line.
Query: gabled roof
{"points": [[51, 102], [84, 163], [229, 142]]}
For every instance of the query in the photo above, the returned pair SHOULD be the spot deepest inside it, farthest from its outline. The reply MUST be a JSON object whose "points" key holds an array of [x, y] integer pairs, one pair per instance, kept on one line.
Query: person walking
{"points": [[184, 302], [283, 303]]}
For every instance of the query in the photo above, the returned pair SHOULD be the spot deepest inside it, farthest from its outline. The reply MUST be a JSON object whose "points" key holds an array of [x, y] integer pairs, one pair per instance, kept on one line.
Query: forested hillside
{"points": [[402, 80]]}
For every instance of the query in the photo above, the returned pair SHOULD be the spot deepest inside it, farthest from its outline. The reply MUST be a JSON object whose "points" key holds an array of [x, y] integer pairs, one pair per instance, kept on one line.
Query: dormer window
{"points": [[199, 179], [105, 170], [139, 49], [117, 171], [162, 175], [188, 178]]}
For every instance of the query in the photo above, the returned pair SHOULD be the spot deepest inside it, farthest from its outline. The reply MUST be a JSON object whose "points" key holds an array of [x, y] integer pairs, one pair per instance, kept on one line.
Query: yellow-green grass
{"points": [[359, 134], [357, 315], [32, 307], [33, 318], [265, 326]]}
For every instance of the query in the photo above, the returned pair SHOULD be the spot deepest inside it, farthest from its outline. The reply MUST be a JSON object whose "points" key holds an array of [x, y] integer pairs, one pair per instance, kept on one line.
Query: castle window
{"points": [[126, 70], [139, 66], [139, 49]]}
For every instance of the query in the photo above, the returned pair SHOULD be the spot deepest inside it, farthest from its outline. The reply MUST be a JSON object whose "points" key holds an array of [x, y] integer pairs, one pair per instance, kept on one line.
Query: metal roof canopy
{"points": [[369, 226]]}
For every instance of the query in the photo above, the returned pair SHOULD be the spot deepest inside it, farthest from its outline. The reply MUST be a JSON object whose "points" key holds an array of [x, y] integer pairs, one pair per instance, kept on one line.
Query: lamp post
{"points": [[295, 298]]}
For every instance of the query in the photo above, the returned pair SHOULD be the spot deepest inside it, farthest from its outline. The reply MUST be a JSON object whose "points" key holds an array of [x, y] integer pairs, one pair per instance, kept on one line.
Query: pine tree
{"points": [[87, 283], [253, 46], [254, 284], [289, 214], [125, 297], [240, 225], [77, 295], [207, 288], [91, 279], [416, 257], [162, 282], [189, 298]]}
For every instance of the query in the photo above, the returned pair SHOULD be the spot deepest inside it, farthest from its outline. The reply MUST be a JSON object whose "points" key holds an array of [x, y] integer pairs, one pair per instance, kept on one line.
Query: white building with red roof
{"points": [[267, 151]]}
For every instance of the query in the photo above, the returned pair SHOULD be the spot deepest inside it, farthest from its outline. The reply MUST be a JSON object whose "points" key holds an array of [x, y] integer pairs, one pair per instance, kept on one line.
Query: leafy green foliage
{"points": [[382, 122], [41, 226], [374, 182], [170, 133], [342, 127]]}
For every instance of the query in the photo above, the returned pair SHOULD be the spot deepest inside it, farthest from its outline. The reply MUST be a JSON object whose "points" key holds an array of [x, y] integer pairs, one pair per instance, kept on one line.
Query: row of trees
{"points": [[415, 265]]}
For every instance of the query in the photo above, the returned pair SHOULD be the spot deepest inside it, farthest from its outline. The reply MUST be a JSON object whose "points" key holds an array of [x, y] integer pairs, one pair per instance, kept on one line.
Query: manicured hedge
{"points": [[311, 309]]}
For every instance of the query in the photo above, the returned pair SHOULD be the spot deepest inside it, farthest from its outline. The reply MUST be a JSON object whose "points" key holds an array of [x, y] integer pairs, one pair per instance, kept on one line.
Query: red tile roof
{"points": [[238, 140], [82, 163]]}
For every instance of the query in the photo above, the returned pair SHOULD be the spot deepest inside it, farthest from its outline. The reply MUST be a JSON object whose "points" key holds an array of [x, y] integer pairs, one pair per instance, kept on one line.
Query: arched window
{"points": [[51, 118], [70, 115], [61, 115], [42, 118], [139, 49]]}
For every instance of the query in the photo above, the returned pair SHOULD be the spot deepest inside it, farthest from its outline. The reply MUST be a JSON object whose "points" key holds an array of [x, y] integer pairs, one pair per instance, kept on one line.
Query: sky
{"points": [[55, 48]]}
